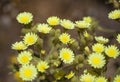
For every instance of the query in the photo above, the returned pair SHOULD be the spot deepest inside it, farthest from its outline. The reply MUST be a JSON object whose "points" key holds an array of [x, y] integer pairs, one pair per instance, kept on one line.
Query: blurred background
{"points": [[10, 29]]}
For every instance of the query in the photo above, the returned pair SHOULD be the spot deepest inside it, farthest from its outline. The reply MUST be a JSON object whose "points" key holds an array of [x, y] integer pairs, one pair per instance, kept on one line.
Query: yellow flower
{"points": [[28, 72], [19, 46], [114, 14], [96, 60], [64, 38], [82, 24], [70, 75], [101, 79], [99, 48], [24, 17], [42, 66], [30, 38], [44, 28], [24, 57], [53, 20], [87, 78], [117, 78], [112, 51], [67, 24], [101, 39], [17, 77], [87, 19], [66, 55], [118, 38]]}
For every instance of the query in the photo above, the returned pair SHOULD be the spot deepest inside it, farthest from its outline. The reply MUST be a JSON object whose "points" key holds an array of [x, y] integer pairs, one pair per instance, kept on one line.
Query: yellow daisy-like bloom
{"points": [[70, 75], [19, 46], [24, 17], [118, 38], [101, 79], [96, 60], [53, 20], [67, 24], [87, 19], [82, 24], [112, 51], [101, 39], [87, 78], [30, 38], [99, 48], [28, 72], [114, 14], [42, 66], [64, 38], [24, 57], [66, 55], [117, 78], [44, 28]]}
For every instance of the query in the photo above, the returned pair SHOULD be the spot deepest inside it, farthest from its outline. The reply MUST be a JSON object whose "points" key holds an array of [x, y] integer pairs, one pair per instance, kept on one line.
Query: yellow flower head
{"points": [[112, 51], [70, 75], [24, 17], [99, 48], [118, 38], [87, 19], [66, 55], [44, 28], [114, 14], [67, 24], [53, 20], [30, 38], [101, 79], [82, 24], [101, 39], [96, 60], [42, 66], [17, 77], [24, 57], [87, 78], [117, 78], [28, 72], [19, 46], [64, 38]]}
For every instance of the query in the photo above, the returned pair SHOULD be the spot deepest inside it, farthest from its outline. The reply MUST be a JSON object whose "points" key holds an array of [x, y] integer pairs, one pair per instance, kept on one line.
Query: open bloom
{"points": [[24, 57], [117, 78], [19, 46], [99, 48], [28, 72], [96, 60], [64, 38], [112, 51], [24, 17], [101, 39], [66, 55], [101, 79], [114, 14], [54, 20], [44, 28], [30, 38], [67, 24], [42, 66]]}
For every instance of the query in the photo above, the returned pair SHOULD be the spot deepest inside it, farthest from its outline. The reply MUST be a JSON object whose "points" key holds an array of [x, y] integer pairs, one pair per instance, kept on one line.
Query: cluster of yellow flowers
{"points": [[35, 61]]}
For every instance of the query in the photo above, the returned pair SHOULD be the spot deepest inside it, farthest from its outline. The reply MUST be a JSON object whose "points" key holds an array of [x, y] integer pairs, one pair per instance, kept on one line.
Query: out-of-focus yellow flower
{"points": [[42, 66], [118, 38], [54, 20], [101, 39], [87, 19], [86, 34], [117, 78], [28, 72], [99, 48], [87, 78], [114, 14], [19, 46], [17, 77], [30, 38], [101, 79], [96, 60], [44, 28], [24, 17], [24, 57], [67, 24], [70, 75], [112, 51], [66, 55], [64, 38], [13, 59]]}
